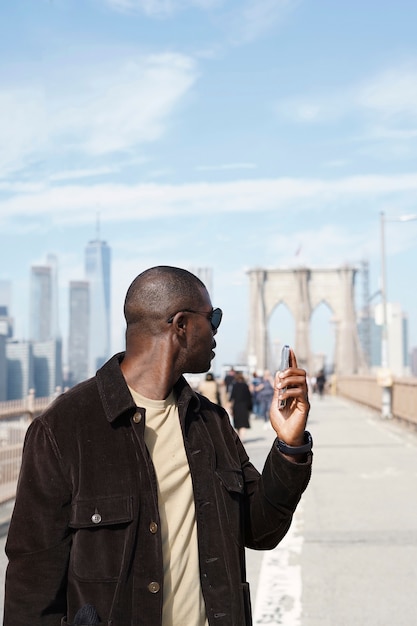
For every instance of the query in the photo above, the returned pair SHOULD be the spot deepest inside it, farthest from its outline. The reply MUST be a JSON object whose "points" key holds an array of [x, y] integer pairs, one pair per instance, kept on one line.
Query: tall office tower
{"points": [[79, 320], [44, 301], [3, 361], [44, 331], [397, 326], [6, 294], [41, 303], [6, 332], [6, 322], [52, 262], [370, 336], [47, 367], [97, 269], [20, 374]]}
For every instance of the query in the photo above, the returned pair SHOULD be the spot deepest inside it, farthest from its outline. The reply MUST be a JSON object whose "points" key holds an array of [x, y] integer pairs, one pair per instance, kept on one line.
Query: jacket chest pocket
{"points": [[232, 490], [101, 528]]}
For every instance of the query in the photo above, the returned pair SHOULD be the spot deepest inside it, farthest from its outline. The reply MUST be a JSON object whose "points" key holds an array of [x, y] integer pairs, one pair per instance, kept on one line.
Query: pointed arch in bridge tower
{"points": [[302, 290]]}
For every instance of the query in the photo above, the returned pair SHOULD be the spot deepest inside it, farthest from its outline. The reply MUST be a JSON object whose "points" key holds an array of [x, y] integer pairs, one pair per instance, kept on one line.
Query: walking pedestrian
{"points": [[210, 389], [321, 383], [265, 393], [255, 381], [241, 399]]}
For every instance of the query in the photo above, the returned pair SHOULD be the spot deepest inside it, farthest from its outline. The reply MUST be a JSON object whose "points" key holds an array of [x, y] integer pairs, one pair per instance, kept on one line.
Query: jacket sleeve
{"points": [[270, 499], [39, 538]]}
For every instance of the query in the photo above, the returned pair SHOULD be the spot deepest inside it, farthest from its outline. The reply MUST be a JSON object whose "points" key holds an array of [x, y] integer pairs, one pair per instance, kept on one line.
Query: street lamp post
{"points": [[385, 382], [386, 378]]}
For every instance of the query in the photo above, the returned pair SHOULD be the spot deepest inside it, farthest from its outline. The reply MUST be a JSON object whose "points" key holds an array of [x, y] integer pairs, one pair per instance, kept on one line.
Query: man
{"points": [[136, 497]]}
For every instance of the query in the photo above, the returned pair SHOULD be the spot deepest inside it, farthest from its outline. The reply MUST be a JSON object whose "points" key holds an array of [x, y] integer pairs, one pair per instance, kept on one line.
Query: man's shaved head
{"points": [[158, 293]]}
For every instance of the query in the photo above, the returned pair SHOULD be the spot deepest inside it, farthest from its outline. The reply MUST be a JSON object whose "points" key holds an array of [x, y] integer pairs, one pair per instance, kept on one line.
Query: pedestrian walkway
{"points": [[350, 557], [359, 520]]}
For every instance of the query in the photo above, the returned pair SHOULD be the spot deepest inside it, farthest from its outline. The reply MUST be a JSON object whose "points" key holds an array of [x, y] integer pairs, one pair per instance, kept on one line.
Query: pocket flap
{"points": [[231, 479], [101, 511]]}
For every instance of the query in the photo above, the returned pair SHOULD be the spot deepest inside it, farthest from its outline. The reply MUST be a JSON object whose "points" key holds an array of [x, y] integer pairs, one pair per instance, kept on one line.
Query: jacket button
{"points": [[154, 587], [153, 527], [137, 417], [96, 518]]}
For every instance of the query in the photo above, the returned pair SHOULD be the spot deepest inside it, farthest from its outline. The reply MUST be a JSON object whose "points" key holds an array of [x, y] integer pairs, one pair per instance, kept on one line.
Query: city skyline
{"points": [[214, 134], [78, 344]]}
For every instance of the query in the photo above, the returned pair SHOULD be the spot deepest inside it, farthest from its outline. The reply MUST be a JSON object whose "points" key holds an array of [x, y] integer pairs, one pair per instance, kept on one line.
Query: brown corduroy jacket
{"points": [[85, 528]]}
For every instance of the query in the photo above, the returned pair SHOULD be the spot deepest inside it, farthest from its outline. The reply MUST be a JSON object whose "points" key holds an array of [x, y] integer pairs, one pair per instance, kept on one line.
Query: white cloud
{"points": [[244, 21], [308, 112], [23, 126], [120, 202], [326, 246], [392, 95], [128, 106], [255, 17], [380, 132], [388, 97], [115, 108], [324, 108], [83, 173], [159, 8], [226, 167]]}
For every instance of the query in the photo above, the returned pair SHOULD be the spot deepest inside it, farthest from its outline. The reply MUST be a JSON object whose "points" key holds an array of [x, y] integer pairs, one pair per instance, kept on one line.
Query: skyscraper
{"points": [[6, 332], [52, 262], [97, 269], [40, 303], [44, 300], [397, 326], [6, 294], [79, 321], [20, 374], [3, 361], [44, 332]]}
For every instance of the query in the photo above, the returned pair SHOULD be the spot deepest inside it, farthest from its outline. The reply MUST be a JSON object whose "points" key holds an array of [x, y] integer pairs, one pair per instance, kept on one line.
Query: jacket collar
{"points": [[117, 399]]}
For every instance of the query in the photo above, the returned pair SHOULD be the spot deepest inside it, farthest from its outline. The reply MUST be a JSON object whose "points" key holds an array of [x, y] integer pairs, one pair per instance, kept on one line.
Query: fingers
{"points": [[293, 358], [291, 383], [291, 377]]}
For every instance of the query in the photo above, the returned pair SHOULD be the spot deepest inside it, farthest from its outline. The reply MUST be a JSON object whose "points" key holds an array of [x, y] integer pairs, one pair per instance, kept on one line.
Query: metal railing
{"points": [[27, 406], [10, 460], [15, 417]]}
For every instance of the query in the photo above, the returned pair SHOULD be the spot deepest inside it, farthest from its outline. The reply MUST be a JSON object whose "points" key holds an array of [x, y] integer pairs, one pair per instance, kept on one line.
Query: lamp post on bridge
{"points": [[385, 379]]}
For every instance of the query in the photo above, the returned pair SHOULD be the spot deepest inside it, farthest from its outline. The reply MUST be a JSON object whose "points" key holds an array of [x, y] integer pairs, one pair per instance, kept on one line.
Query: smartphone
{"points": [[285, 363]]}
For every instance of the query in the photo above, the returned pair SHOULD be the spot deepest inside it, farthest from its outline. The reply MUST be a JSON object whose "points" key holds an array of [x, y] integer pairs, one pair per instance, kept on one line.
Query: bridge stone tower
{"points": [[302, 290]]}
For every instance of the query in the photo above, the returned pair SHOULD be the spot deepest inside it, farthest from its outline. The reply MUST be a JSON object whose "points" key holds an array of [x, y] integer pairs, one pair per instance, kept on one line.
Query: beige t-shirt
{"points": [[183, 598]]}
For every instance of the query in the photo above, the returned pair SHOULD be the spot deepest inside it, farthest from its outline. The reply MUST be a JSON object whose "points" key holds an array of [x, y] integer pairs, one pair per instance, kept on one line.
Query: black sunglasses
{"points": [[214, 316]]}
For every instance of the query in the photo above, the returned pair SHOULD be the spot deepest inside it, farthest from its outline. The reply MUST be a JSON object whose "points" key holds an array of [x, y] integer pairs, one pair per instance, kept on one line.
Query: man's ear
{"points": [[179, 321]]}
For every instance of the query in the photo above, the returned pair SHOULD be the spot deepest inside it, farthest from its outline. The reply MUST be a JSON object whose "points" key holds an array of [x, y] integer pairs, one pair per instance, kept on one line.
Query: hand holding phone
{"points": [[285, 363], [289, 416]]}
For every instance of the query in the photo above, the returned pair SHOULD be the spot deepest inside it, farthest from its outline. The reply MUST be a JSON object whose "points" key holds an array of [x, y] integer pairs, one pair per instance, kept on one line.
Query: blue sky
{"points": [[209, 133]]}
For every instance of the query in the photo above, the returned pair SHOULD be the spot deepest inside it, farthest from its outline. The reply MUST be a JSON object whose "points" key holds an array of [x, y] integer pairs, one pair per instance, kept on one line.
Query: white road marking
{"points": [[278, 596]]}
